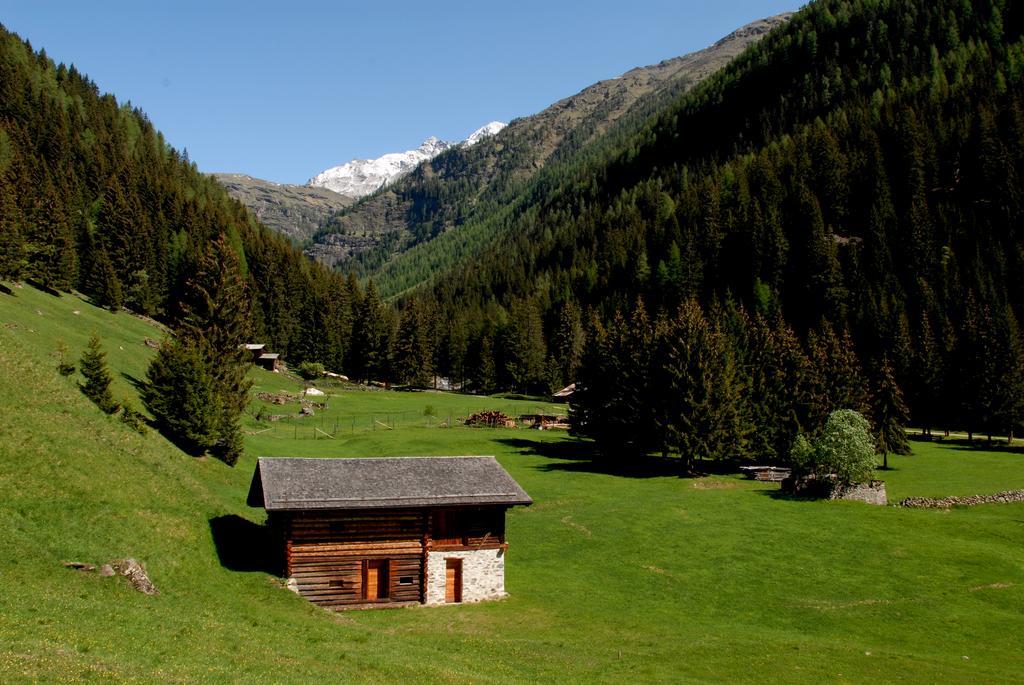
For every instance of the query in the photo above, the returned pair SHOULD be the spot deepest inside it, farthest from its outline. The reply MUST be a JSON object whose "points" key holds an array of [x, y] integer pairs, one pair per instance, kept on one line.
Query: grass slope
{"points": [[612, 578]]}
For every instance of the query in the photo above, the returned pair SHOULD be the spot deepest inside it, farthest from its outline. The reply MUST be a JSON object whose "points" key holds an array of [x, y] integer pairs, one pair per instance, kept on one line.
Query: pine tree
{"points": [[524, 348], [701, 411], [838, 369], [52, 259], [180, 393], [889, 415], [97, 378], [926, 387], [101, 282], [196, 385], [778, 394], [12, 242], [485, 374], [411, 355], [1010, 407], [569, 341], [370, 338]]}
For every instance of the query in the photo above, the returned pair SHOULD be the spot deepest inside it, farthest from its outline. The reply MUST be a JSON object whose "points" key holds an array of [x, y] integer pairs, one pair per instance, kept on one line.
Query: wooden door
{"points": [[453, 581], [375, 579]]}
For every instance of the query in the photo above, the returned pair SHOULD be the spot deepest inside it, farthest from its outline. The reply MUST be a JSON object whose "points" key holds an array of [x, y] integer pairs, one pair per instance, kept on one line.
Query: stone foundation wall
{"points": [[871, 493], [827, 488], [483, 574]]}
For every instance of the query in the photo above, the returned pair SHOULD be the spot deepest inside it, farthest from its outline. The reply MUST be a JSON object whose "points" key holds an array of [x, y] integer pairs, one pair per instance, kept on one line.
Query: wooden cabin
{"points": [[352, 532], [269, 361], [255, 350], [261, 357]]}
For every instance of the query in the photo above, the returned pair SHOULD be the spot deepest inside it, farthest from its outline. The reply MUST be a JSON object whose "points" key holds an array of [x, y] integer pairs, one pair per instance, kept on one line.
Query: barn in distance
{"points": [[389, 531]]}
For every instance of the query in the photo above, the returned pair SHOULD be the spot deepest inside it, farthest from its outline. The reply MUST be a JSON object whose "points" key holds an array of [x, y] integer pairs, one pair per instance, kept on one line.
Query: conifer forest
{"points": [[843, 232]]}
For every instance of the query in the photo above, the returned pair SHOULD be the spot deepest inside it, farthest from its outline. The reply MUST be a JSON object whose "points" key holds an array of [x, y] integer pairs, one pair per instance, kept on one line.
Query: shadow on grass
{"points": [[41, 287], [982, 446], [583, 457], [136, 383], [243, 545]]}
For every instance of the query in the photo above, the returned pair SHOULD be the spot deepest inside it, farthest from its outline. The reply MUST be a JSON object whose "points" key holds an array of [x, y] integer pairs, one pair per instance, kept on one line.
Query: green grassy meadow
{"points": [[612, 578]]}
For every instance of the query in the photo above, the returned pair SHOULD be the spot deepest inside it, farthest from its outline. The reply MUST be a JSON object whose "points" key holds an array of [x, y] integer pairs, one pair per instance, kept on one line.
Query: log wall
{"points": [[325, 552], [325, 555]]}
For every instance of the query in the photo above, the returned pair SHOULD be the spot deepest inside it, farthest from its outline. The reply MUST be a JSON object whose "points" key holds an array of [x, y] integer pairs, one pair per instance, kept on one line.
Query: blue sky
{"points": [[284, 90]]}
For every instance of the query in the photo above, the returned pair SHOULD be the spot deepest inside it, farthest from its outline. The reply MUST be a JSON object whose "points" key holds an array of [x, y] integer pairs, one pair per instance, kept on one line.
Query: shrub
{"points": [[844, 448], [133, 418], [310, 370], [64, 367]]}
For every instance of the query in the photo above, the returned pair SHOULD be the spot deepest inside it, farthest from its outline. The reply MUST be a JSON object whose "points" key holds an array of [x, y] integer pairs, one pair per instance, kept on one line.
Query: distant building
{"points": [[428, 530], [255, 349], [261, 357], [269, 360], [565, 394]]}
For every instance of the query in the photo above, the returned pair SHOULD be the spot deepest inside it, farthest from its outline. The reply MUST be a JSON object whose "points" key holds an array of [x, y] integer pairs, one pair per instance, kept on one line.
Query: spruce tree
{"points": [[97, 378], [701, 414], [411, 358], [485, 374], [179, 392], [889, 414], [101, 281], [524, 348], [1010, 408], [12, 242], [569, 341], [370, 337], [196, 385]]}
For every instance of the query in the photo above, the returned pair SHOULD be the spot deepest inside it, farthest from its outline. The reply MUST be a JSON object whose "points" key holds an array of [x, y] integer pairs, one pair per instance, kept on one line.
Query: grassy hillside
{"points": [[612, 578]]}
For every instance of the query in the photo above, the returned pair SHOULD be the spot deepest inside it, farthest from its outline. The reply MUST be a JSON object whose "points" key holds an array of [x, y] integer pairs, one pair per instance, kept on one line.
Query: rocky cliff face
{"points": [[295, 211]]}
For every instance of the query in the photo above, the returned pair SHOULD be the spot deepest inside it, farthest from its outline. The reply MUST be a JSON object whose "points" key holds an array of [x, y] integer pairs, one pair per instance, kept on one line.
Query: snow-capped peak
{"points": [[483, 132], [363, 176]]}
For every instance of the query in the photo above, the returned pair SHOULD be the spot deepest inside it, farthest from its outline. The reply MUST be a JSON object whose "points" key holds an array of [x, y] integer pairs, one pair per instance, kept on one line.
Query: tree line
{"points": [[851, 183], [859, 170]]}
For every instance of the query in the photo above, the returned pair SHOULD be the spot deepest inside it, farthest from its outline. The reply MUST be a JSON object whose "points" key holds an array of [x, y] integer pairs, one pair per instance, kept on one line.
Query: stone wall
{"points": [[871, 493], [827, 487], [483, 574], [1007, 497]]}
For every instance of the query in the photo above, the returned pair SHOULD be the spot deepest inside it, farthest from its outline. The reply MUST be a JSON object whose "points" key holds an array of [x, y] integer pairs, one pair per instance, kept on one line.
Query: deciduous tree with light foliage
{"points": [[844, 449]]}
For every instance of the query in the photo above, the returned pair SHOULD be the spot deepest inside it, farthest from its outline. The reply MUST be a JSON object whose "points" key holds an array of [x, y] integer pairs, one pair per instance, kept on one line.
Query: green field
{"points": [[613, 578]]}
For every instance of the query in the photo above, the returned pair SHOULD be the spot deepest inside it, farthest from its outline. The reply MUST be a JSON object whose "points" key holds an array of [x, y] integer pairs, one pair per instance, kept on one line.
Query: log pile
{"points": [[1007, 497], [492, 419], [767, 474]]}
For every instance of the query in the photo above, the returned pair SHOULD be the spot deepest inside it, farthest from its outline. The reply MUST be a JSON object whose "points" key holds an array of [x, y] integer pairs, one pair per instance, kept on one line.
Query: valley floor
{"points": [[642, 577]]}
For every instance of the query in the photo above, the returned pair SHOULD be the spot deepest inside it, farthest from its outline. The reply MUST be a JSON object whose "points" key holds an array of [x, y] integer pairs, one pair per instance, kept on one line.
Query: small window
{"points": [[337, 526], [405, 580], [336, 583]]}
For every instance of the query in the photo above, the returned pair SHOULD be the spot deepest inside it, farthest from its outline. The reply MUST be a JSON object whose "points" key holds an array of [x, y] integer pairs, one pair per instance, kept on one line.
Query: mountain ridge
{"points": [[420, 206], [291, 210], [360, 177]]}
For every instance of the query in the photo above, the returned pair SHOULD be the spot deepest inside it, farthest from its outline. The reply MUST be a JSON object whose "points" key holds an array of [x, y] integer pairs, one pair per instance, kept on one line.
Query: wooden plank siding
{"points": [[326, 552]]}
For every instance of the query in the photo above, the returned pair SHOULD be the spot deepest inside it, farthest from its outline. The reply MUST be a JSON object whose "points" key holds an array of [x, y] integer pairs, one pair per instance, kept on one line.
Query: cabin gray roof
{"points": [[299, 484]]}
